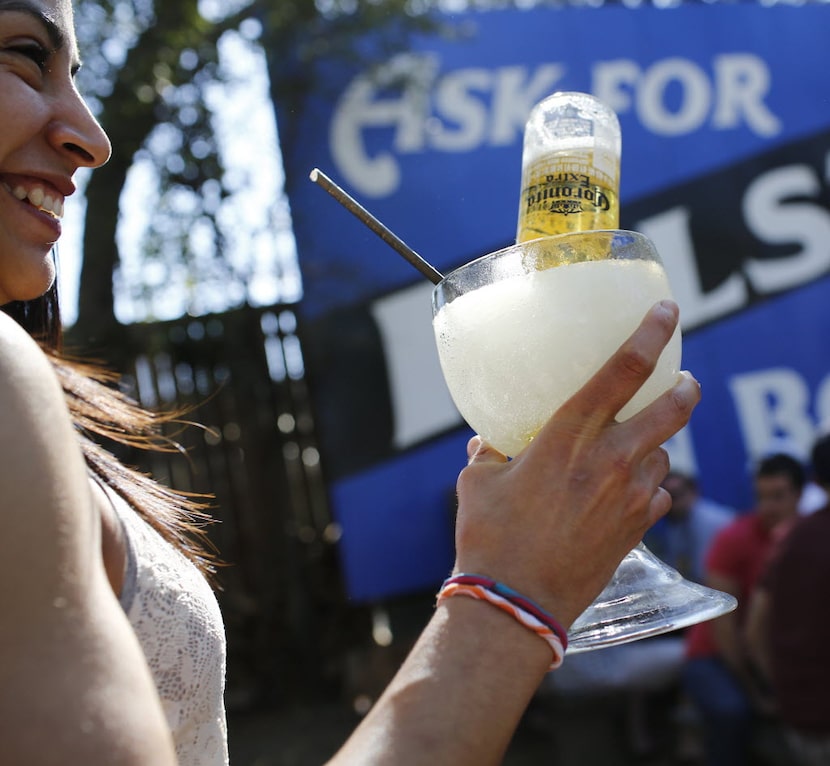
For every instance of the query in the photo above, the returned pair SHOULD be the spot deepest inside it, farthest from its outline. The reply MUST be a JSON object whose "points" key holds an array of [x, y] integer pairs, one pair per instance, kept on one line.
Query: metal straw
{"points": [[357, 210]]}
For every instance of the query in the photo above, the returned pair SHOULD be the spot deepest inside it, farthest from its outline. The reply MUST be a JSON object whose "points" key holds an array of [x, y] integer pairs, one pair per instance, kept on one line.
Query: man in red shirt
{"points": [[718, 675], [789, 623]]}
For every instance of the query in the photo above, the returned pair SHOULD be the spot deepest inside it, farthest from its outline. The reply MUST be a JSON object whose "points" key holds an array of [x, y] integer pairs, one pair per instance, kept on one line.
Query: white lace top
{"points": [[177, 620]]}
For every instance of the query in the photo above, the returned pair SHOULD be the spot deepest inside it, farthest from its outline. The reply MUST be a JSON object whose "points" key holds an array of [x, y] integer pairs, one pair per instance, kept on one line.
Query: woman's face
{"points": [[46, 134]]}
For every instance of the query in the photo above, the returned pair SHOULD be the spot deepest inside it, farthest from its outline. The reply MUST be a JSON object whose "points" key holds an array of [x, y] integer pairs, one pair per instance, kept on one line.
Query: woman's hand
{"points": [[555, 522]]}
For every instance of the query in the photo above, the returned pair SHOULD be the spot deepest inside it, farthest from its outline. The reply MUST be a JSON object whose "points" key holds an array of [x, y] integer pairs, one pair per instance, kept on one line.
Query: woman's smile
{"points": [[35, 212], [43, 198]]}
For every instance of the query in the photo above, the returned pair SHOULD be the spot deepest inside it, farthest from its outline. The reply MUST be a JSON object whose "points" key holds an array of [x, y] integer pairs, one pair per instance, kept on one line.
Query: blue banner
{"points": [[725, 116]]}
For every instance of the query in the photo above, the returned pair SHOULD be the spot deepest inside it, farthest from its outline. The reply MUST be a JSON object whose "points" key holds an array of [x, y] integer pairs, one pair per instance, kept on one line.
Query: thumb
{"points": [[479, 451]]}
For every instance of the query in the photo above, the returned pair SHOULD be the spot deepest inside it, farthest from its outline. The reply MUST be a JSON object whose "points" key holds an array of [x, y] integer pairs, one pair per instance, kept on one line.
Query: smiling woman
{"points": [[87, 531], [51, 135], [88, 680]]}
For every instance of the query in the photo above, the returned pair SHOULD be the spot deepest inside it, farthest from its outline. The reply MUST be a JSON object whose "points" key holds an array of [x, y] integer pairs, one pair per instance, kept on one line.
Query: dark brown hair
{"points": [[782, 464], [99, 409]]}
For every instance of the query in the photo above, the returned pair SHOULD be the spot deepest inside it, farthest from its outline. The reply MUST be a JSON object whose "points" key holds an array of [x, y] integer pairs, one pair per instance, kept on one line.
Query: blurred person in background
{"points": [[683, 536], [789, 623], [719, 676], [813, 496]]}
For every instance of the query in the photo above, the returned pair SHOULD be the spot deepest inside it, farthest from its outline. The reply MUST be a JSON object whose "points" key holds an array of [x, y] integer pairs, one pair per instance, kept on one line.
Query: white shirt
{"points": [[176, 618]]}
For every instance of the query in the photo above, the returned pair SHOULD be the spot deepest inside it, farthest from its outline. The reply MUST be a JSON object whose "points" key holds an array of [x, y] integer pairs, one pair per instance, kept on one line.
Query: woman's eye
{"points": [[35, 52]]}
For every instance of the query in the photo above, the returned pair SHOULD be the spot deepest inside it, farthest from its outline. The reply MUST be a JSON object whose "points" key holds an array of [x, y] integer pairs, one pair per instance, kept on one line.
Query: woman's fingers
{"points": [[654, 467], [594, 407], [660, 505], [664, 417], [610, 389]]}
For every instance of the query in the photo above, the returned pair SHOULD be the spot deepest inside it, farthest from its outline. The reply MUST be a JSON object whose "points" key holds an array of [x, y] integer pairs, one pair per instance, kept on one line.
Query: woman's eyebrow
{"points": [[53, 31], [56, 35]]}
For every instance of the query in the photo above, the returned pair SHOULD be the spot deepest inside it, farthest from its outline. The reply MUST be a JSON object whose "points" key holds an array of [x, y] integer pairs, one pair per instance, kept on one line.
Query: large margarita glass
{"points": [[521, 330]]}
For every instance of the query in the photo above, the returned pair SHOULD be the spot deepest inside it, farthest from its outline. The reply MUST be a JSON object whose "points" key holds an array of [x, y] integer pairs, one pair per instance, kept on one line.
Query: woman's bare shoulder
{"points": [[22, 362], [69, 644], [45, 508]]}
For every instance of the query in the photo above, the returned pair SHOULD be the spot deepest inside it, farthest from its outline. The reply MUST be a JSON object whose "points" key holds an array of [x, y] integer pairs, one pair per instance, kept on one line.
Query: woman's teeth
{"points": [[40, 199]]}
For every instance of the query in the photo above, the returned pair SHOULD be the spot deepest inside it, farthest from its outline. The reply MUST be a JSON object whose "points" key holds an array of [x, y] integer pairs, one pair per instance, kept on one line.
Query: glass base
{"points": [[644, 598]]}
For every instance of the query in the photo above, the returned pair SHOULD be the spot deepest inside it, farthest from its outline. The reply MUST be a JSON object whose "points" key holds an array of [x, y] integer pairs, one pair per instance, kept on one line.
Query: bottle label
{"points": [[562, 194]]}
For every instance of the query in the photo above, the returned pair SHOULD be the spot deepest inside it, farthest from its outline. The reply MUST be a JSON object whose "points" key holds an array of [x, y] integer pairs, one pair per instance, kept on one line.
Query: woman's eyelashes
{"points": [[34, 52]]}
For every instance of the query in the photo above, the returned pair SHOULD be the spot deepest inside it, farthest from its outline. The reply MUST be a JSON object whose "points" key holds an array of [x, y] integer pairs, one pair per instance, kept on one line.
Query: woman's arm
{"points": [[553, 524], [75, 685]]}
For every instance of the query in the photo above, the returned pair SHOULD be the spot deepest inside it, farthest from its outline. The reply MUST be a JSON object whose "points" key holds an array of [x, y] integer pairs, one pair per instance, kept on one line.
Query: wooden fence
{"points": [[255, 451]]}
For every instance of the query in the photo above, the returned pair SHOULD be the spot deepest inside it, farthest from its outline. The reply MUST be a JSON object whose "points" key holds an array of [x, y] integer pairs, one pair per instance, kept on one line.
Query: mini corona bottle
{"points": [[570, 167]]}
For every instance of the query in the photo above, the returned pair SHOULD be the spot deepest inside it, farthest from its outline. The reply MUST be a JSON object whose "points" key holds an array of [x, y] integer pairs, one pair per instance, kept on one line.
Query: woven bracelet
{"points": [[522, 616], [515, 598]]}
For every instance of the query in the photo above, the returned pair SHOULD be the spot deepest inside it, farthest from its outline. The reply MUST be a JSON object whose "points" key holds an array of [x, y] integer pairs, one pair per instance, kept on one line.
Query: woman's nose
{"points": [[75, 131]]}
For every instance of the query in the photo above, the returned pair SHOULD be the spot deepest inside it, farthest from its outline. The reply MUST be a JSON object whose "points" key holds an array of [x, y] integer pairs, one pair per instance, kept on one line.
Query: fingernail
{"points": [[688, 384], [670, 307], [473, 448], [686, 375]]}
